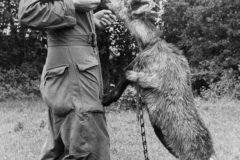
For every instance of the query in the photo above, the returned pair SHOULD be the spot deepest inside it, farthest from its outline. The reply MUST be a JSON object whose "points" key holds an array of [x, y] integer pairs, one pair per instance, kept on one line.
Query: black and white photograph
{"points": [[120, 79]]}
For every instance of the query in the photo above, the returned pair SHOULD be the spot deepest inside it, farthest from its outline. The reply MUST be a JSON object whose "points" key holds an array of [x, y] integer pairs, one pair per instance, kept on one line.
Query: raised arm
{"points": [[59, 14]]}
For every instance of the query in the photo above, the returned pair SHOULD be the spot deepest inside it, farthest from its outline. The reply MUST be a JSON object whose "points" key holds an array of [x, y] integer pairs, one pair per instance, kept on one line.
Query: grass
{"points": [[23, 130]]}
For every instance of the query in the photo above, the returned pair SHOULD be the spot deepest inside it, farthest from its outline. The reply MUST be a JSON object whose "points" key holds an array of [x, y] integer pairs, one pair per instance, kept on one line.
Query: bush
{"points": [[227, 86], [14, 84], [221, 81]]}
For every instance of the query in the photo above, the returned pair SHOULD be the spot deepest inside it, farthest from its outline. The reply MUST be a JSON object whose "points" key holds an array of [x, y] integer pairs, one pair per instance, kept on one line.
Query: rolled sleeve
{"points": [[87, 5], [55, 15]]}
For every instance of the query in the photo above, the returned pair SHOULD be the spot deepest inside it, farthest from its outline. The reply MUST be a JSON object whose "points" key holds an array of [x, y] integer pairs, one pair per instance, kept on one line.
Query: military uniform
{"points": [[71, 82]]}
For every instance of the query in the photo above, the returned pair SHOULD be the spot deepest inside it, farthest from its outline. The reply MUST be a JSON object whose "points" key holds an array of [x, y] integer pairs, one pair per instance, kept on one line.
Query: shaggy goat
{"points": [[163, 75]]}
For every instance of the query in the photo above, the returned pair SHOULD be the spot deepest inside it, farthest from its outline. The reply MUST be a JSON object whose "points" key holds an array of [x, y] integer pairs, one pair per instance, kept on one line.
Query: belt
{"points": [[72, 40]]}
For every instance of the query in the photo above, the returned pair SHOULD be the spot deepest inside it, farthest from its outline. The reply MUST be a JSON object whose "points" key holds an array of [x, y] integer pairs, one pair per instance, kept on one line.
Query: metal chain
{"points": [[141, 121]]}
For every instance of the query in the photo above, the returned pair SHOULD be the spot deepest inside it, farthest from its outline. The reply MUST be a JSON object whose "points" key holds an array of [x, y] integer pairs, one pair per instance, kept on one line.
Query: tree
{"points": [[117, 49], [208, 32], [21, 54]]}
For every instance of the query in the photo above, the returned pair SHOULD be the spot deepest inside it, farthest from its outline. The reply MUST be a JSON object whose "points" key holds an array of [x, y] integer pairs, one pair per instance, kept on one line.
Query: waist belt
{"points": [[72, 40]]}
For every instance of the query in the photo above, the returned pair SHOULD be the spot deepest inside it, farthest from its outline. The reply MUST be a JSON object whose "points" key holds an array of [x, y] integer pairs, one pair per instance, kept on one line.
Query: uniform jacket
{"points": [[71, 78]]}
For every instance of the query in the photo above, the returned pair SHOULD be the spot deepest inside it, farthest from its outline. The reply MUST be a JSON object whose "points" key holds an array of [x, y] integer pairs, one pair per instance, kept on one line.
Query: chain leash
{"points": [[142, 125]]}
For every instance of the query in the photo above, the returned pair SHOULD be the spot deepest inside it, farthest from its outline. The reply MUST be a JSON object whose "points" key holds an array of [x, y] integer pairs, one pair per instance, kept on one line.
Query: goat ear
{"points": [[135, 4]]}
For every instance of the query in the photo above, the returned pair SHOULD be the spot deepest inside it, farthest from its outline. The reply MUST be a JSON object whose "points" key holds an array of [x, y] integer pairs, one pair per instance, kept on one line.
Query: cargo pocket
{"points": [[89, 75], [55, 90], [79, 138]]}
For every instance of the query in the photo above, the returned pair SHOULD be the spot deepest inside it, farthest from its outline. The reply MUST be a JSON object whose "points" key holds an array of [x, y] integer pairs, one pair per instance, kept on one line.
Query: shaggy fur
{"points": [[163, 75]]}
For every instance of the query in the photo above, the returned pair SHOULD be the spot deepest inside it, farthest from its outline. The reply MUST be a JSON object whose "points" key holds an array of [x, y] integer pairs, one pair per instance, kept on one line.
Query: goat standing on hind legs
{"points": [[163, 75]]}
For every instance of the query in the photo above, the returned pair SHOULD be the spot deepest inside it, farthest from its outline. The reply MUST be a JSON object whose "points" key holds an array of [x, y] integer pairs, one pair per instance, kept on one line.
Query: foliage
{"points": [[228, 85], [15, 84], [22, 55], [208, 31], [117, 49]]}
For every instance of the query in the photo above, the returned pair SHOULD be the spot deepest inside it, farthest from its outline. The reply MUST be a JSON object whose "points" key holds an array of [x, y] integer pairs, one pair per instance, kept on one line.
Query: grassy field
{"points": [[23, 130]]}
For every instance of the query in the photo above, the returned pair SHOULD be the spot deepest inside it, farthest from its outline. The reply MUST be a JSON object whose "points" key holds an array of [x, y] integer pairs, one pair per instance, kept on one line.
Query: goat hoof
{"points": [[106, 100]]}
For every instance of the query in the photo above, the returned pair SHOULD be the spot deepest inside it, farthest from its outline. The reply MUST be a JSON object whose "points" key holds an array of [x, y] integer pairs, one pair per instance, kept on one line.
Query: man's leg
{"points": [[100, 141], [53, 149], [86, 137]]}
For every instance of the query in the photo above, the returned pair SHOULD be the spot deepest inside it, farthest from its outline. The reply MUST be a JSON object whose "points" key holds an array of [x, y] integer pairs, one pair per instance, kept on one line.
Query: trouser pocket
{"points": [[89, 137], [89, 76], [54, 89]]}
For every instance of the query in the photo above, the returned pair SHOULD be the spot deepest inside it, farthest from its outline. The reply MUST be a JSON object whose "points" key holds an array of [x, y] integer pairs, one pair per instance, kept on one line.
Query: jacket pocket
{"points": [[55, 90], [89, 75]]}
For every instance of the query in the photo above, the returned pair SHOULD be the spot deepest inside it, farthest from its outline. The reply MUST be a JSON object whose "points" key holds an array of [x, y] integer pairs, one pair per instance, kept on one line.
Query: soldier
{"points": [[71, 81]]}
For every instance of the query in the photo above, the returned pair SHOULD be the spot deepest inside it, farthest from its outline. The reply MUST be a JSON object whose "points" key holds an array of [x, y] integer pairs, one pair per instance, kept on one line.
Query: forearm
{"points": [[34, 14]]}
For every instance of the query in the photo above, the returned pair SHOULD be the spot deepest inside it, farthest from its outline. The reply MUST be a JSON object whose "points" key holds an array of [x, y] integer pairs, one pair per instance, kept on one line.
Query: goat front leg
{"points": [[116, 93], [143, 79]]}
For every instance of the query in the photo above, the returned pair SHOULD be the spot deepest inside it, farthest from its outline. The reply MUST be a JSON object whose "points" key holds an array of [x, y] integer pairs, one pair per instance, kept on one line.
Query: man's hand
{"points": [[104, 18]]}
